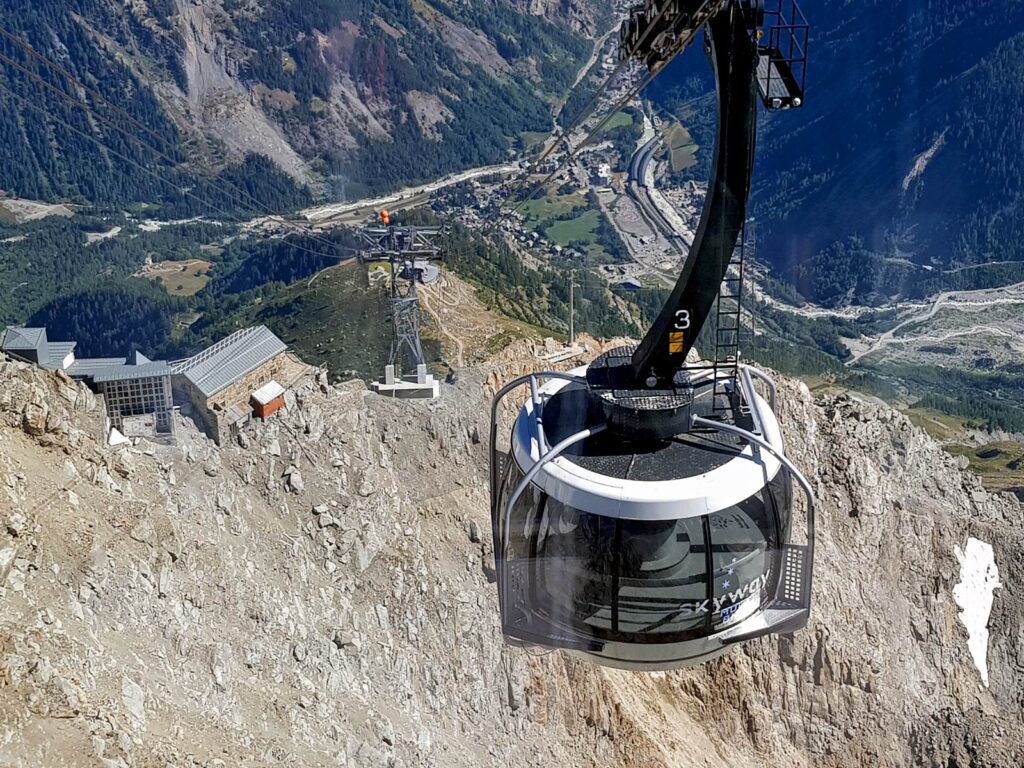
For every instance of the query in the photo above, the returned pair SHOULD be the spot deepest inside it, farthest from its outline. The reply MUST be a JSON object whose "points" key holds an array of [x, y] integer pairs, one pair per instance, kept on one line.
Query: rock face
{"points": [[157, 613]]}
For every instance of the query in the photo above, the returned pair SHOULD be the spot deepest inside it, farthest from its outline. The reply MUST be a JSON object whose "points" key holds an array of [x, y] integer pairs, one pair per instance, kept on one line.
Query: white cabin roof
{"points": [[268, 393]]}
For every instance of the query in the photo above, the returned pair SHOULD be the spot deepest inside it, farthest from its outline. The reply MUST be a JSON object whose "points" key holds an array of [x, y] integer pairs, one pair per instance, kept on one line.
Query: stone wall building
{"points": [[217, 385]]}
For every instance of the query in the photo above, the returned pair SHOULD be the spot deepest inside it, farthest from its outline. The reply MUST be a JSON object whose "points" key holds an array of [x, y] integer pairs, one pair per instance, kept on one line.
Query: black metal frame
{"points": [[663, 352]]}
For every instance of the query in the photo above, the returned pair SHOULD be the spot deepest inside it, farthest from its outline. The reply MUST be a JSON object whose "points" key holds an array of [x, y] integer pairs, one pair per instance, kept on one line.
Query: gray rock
{"points": [[134, 699], [33, 421], [16, 524], [345, 638], [7, 558]]}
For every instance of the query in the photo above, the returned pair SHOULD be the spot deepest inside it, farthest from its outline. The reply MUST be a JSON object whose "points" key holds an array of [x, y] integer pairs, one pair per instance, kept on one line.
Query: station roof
{"points": [[23, 339], [56, 354], [129, 372], [229, 360], [49, 354], [89, 366]]}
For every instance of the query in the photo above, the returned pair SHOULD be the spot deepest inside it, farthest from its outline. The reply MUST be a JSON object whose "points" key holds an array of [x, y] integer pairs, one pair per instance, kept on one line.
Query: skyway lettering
{"points": [[718, 604]]}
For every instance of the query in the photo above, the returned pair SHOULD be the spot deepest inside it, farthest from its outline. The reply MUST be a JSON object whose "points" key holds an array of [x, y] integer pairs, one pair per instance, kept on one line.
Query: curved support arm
{"points": [[733, 52], [502, 393], [547, 458], [773, 389]]}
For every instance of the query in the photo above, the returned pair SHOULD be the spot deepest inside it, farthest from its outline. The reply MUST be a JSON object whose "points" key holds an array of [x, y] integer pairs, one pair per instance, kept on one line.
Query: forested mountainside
{"points": [[907, 158], [342, 95]]}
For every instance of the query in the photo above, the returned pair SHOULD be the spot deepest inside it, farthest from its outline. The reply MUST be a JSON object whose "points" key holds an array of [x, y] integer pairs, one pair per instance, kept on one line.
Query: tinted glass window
{"points": [[642, 581]]}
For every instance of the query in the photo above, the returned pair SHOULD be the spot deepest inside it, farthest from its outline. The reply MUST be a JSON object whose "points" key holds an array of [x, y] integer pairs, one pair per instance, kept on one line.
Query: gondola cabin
{"points": [[643, 507], [647, 552]]}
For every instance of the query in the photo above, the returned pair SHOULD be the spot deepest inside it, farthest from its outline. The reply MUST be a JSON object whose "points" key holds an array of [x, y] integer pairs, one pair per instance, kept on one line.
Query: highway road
{"points": [[640, 189], [406, 198]]}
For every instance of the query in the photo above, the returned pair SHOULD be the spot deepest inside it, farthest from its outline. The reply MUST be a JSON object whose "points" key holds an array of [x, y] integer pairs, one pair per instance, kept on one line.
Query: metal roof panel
{"points": [[230, 359], [21, 339], [130, 372], [56, 352], [88, 366], [268, 393]]}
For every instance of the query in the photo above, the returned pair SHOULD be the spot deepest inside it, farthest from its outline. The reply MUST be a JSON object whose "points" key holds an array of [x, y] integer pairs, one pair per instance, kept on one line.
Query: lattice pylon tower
{"points": [[406, 319], [406, 249]]}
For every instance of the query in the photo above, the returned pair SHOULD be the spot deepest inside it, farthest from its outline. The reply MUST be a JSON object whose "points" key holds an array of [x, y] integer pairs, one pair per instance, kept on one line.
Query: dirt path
{"points": [[426, 294]]}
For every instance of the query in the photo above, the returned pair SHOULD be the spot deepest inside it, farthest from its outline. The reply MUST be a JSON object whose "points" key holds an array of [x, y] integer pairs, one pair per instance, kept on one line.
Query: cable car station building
{"points": [[221, 388], [136, 391], [244, 375]]}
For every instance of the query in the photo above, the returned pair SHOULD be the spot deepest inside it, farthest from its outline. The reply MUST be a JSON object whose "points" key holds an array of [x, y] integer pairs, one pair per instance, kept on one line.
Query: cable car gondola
{"points": [[643, 513]]}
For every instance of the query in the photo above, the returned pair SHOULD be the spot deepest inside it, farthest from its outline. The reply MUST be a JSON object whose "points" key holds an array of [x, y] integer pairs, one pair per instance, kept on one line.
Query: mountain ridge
{"points": [[318, 87], [320, 593], [904, 161]]}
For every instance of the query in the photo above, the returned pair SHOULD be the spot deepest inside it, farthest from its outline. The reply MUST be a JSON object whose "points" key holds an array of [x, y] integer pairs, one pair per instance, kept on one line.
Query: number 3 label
{"points": [[683, 320]]}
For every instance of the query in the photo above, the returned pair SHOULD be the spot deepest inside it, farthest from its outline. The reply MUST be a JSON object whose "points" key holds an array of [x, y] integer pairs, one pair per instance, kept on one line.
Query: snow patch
{"points": [[116, 438], [979, 579]]}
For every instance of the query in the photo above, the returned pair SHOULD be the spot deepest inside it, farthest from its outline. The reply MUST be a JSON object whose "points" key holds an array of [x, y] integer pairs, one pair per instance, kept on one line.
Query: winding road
{"points": [[953, 299]]}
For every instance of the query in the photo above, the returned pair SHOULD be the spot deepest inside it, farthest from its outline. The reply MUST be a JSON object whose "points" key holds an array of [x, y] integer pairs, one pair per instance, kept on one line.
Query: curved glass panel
{"points": [[568, 571]]}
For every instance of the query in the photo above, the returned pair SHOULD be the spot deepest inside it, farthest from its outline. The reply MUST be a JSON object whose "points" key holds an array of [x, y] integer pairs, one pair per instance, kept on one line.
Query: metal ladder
{"points": [[729, 321]]}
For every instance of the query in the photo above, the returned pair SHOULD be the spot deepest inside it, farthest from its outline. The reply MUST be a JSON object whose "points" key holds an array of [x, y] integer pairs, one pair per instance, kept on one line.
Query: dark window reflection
{"points": [[640, 582]]}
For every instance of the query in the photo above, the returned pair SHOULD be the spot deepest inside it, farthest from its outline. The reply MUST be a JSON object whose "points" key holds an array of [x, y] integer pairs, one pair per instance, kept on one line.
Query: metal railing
{"points": [[788, 40]]}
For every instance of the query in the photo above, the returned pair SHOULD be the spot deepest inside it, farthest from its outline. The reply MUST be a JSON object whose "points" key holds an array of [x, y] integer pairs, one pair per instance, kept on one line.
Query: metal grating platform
{"points": [[772, 80]]}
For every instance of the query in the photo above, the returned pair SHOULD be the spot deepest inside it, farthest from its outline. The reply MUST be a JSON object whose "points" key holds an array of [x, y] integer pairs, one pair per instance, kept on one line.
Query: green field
{"points": [[541, 211], [531, 139], [180, 278], [581, 228], [1001, 465], [619, 120], [939, 425]]}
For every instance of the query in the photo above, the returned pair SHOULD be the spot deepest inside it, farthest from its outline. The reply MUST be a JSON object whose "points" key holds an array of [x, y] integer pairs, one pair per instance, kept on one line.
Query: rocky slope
{"points": [[319, 594]]}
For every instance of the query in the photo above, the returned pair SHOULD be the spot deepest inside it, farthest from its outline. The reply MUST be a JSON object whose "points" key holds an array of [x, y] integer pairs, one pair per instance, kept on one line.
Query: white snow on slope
{"points": [[979, 579]]}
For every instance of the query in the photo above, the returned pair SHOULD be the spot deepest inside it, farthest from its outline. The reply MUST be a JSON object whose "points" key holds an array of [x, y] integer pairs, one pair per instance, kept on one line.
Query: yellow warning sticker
{"points": [[676, 342]]}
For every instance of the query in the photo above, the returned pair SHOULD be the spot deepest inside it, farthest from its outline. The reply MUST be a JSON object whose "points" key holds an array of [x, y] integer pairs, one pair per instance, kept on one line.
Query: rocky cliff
{"points": [[320, 594]]}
